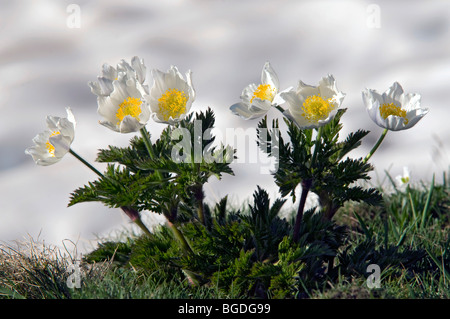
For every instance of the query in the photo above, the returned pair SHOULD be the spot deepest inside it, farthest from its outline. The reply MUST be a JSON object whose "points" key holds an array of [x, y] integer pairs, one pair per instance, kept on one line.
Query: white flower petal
{"points": [[71, 117], [162, 83], [298, 120], [61, 144], [259, 106], [46, 161], [269, 76], [190, 85], [415, 116], [241, 109], [174, 80], [296, 99], [394, 92], [34, 152], [159, 85], [305, 90], [247, 93], [95, 88], [110, 125], [59, 135], [42, 137], [252, 107], [106, 85], [109, 72], [140, 68], [410, 103], [130, 124], [107, 108], [118, 85], [278, 99], [157, 117], [145, 113], [52, 122], [291, 97], [327, 87]]}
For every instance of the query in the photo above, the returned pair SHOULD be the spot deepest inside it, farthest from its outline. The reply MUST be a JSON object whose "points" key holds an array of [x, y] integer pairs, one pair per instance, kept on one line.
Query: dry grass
{"points": [[35, 270]]}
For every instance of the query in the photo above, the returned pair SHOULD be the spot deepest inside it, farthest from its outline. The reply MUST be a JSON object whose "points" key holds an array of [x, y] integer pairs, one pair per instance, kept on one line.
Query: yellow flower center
{"points": [[405, 180], [172, 103], [130, 106], [392, 109], [49, 146], [264, 92], [316, 108]]}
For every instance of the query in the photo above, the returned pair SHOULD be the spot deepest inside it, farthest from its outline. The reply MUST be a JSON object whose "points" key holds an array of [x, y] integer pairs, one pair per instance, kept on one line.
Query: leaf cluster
{"points": [[154, 179], [246, 252], [321, 162]]}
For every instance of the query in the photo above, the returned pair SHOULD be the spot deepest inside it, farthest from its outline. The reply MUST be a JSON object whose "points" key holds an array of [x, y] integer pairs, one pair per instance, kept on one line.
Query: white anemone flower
{"points": [[394, 110], [104, 86], [256, 100], [52, 144], [171, 96], [403, 180], [121, 95], [313, 106]]}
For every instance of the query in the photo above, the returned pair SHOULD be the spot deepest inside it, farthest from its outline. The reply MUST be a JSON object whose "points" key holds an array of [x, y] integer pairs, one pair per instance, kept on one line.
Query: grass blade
{"points": [[440, 265], [427, 204], [366, 231]]}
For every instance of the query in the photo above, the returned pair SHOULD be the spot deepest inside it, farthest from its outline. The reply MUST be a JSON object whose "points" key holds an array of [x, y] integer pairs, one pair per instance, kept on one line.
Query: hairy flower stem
{"points": [[180, 237], [130, 212], [147, 142], [177, 233], [316, 147], [136, 218], [306, 186], [82, 160], [200, 212], [383, 135], [279, 108], [149, 146], [187, 250], [199, 196]]}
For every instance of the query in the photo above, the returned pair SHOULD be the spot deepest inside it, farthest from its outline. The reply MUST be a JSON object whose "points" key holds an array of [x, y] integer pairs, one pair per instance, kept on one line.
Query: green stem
{"points": [[383, 135], [279, 108], [199, 196], [136, 218], [306, 186], [143, 227], [200, 212], [177, 233], [179, 236], [316, 147], [149, 146], [134, 215], [82, 160], [147, 142]]}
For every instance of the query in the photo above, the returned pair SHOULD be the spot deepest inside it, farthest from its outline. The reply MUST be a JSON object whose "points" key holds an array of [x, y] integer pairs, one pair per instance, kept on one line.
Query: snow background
{"points": [[45, 66]]}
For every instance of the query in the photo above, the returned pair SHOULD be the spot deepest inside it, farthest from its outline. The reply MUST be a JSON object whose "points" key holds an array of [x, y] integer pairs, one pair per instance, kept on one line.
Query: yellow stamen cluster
{"points": [[264, 92], [172, 104], [130, 106], [49, 146], [392, 109], [315, 108]]}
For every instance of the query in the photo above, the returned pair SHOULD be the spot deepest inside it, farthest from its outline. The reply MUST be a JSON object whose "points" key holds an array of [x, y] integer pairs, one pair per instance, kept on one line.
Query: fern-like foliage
{"points": [[322, 162], [160, 183]]}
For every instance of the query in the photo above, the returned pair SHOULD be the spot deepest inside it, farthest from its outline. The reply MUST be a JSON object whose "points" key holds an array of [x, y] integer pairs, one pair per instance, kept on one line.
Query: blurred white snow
{"points": [[45, 66]]}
